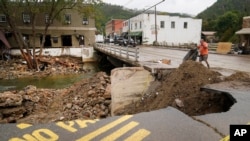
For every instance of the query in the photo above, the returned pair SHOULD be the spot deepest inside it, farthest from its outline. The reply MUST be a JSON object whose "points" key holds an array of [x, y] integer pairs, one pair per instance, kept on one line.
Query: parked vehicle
{"points": [[125, 40], [99, 38], [116, 39], [109, 40]]}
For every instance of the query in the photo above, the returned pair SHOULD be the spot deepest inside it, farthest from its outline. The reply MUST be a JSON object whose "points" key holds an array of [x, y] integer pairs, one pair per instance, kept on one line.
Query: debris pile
{"points": [[87, 99], [17, 68], [181, 89], [91, 98]]}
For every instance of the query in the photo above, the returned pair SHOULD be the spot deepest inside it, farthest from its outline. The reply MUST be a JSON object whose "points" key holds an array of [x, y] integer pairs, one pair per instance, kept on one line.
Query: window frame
{"points": [[26, 17], [85, 21], [185, 25], [47, 19], [3, 18], [67, 18], [162, 24], [172, 24]]}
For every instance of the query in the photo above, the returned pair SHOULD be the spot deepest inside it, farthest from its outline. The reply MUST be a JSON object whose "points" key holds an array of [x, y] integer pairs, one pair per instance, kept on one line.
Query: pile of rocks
{"points": [[87, 99], [17, 67]]}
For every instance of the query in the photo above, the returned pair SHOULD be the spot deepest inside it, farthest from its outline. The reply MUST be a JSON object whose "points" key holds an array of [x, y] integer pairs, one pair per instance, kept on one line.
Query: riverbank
{"points": [[91, 98], [17, 67]]}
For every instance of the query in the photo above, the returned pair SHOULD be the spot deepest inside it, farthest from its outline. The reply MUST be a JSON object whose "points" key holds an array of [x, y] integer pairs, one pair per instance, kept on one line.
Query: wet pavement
{"points": [[150, 57], [165, 124]]}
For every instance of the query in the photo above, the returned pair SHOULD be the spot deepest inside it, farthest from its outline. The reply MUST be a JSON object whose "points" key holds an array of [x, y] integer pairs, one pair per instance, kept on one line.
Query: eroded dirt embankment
{"points": [[91, 99]]}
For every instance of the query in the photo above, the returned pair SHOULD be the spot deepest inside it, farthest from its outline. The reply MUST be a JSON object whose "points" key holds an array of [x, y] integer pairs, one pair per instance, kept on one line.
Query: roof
{"points": [[139, 33], [243, 31], [208, 33]]}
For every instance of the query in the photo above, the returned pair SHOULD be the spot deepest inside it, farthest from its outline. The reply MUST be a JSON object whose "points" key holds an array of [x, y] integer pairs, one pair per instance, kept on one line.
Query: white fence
{"points": [[129, 53]]}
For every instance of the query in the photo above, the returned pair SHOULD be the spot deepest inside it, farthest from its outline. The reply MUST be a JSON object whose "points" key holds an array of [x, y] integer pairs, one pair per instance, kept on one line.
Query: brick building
{"points": [[61, 33], [114, 27]]}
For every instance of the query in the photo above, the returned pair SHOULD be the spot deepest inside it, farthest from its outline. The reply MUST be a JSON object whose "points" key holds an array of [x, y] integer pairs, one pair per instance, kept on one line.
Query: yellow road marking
{"points": [[23, 125], [104, 128], [227, 138], [115, 135], [67, 125], [138, 136]]}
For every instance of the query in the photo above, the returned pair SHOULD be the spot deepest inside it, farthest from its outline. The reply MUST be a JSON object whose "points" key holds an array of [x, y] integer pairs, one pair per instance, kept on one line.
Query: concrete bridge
{"points": [[133, 56], [158, 58]]}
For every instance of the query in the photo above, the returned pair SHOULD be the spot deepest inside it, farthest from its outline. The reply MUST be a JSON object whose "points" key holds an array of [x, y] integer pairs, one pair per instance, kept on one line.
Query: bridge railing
{"points": [[130, 53]]}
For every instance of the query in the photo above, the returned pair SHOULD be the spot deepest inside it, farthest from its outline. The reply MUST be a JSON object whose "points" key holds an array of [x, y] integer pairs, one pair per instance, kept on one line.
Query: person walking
{"points": [[203, 48]]}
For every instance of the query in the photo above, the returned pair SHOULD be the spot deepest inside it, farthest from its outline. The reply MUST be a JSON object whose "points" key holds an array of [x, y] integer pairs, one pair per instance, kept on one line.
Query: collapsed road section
{"points": [[90, 100]]}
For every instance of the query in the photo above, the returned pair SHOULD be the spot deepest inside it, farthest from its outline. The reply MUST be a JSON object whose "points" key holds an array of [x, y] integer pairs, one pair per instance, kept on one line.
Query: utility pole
{"points": [[156, 33], [156, 41]]}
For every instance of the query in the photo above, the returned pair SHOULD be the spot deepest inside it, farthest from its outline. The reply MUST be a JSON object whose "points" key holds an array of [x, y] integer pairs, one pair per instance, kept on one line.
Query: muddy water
{"points": [[55, 82]]}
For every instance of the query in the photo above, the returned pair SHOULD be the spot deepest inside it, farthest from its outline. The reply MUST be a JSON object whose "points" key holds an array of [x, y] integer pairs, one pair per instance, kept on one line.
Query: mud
{"points": [[91, 99], [181, 89]]}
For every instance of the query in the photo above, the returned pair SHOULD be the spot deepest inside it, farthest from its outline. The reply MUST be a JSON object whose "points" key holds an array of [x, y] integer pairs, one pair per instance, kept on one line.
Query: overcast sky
{"points": [[191, 7]]}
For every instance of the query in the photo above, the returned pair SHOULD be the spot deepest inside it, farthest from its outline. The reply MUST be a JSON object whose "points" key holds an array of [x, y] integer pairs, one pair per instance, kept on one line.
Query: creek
{"points": [[54, 82]]}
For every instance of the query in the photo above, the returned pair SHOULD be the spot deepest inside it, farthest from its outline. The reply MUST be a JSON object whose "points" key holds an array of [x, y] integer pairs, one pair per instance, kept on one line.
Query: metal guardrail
{"points": [[129, 53]]}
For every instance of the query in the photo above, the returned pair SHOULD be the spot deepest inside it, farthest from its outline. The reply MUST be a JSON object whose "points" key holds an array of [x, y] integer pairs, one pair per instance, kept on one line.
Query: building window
{"points": [[172, 24], [131, 28], [2, 18], [140, 25], [66, 40], [67, 18], [162, 24], [26, 18], [47, 19], [185, 25], [85, 21], [135, 25]]}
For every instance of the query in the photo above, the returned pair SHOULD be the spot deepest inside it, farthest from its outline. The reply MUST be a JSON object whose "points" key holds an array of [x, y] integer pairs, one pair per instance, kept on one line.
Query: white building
{"points": [[172, 30]]}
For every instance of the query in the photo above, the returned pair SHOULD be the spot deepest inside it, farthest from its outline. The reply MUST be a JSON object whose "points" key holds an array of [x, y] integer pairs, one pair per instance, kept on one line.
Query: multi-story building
{"points": [[168, 29], [114, 27], [63, 33], [244, 35]]}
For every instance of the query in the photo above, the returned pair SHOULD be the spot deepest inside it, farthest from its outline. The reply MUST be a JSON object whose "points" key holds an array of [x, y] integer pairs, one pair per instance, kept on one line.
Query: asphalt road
{"points": [[161, 125], [230, 62], [167, 124]]}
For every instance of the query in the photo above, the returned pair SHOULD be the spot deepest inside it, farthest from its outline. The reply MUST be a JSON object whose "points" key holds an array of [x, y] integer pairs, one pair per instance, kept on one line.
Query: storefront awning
{"points": [[139, 33], [243, 31]]}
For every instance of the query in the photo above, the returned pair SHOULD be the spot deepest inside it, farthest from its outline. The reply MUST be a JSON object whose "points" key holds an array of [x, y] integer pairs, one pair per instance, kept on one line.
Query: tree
{"points": [[227, 24], [54, 8]]}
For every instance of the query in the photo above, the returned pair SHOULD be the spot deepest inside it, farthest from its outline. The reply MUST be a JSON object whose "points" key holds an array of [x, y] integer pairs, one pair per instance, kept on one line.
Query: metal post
{"points": [[136, 54], [127, 52], [156, 42]]}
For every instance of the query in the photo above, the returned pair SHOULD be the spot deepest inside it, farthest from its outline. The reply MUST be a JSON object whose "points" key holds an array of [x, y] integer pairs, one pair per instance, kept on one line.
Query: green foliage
{"points": [[106, 12], [225, 17], [227, 24]]}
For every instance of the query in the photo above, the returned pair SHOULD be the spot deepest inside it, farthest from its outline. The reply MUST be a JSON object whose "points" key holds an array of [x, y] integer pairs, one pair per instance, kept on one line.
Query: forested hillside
{"points": [[222, 6], [108, 12], [225, 17]]}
